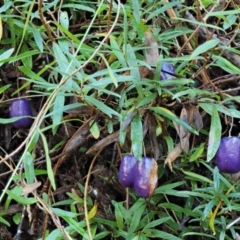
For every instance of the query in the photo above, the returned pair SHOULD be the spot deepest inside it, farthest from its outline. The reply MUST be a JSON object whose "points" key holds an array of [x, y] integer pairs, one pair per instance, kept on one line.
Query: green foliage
{"points": [[100, 59]]}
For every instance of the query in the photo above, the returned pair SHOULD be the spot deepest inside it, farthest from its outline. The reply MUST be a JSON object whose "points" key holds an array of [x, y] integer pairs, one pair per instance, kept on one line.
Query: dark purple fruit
{"points": [[228, 155], [126, 171], [146, 177], [21, 108], [167, 71]]}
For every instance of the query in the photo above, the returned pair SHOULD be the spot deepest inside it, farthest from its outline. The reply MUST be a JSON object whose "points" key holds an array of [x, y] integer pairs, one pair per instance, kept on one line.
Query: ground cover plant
{"points": [[83, 84]]}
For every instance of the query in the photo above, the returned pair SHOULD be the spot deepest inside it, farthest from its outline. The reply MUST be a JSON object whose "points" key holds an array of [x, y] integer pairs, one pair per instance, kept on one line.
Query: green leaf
{"points": [[161, 234], [60, 57], [176, 208], [118, 215], [160, 10], [146, 100], [64, 19], [32, 75], [198, 177], [171, 116], [78, 6], [214, 135], [170, 143], [33, 141], [110, 72], [205, 47], [5, 6], [132, 63], [94, 129], [2, 220], [197, 153], [136, 10], [29, 168], [231, 19], [21, 200], [208, 208], [4, 88], [58, 113], [63, 213], [76, 226], [167, 187], [10, 120], [5, 56], [135, 220], [222, 13], [208, 107], [137, 136], [156, 223], [101, 235], [216, 179], [48, 161], [225, 64], [27, 61], [38, 38], [101, 106], [199, 23], [17, 218], [118, 53]]}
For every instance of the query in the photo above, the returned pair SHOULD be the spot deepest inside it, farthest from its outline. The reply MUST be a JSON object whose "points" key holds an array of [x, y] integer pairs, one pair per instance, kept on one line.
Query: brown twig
{"points": [[45, 24]]}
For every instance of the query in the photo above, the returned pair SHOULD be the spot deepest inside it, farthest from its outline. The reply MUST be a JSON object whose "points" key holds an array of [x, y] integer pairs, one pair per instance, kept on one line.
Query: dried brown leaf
{"points": [[104, 142], [173, 155], [78, 138], [183, 132], [30, 188], [197, 118], [128, 120], [146, 124], [152, 54], [153, 137], [74, 142]]}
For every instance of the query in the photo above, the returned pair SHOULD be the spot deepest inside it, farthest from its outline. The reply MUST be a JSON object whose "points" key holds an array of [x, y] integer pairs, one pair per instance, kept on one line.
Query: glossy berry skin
{"points": [[127, 169], [19, 108], [146, 177], [167, 67], [228, 155]]}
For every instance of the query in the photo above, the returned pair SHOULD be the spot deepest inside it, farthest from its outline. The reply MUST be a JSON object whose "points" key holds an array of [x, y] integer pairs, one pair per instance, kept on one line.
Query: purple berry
{"points": [[228, 155], [21, 108], [126, 171], [146, 177], [165, 70]]}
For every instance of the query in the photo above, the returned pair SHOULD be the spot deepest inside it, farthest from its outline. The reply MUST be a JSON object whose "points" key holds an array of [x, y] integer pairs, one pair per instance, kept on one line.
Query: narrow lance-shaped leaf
{"points": [[204, 47], [214, 135], [29, 168], [58, 114], [171, 116], [5, 55], [48, 161], [101, 106], [137, 136]]}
